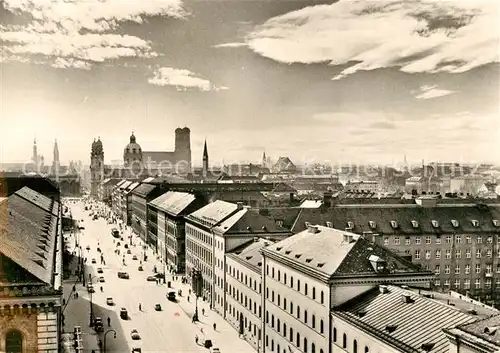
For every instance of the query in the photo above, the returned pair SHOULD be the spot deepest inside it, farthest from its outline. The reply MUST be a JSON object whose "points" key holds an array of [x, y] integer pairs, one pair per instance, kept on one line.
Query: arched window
{"points": [[305, 288], [334, 334], [321, 327], [313, 319], [305, 316], [313, 348], [314, 293], [355, 346], [297, 343], [322, 297], [298, 312], [284, 329], [291, 334], [367, 350], [344, 341], [14, 342], [305, 345]]}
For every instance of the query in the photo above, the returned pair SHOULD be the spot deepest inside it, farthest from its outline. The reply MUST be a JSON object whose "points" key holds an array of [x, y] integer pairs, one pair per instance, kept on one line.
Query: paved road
{"points": [[169, 330]]}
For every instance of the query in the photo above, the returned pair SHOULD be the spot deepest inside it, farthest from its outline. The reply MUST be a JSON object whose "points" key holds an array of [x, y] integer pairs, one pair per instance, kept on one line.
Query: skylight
{"points": [[475, 223], [372, 224], [435, 223], [454, 223], [394, 224], [414, 224]]}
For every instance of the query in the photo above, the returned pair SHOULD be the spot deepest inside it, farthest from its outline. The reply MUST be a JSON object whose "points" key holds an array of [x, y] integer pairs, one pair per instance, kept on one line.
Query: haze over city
{"points": [[349, 81]]}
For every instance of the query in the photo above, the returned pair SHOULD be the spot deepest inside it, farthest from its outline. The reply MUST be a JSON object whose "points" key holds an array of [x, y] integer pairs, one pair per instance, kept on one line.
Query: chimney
{"points": [[348, 238], [313, 229], [383, 289], [240, 205], [406, 298]]}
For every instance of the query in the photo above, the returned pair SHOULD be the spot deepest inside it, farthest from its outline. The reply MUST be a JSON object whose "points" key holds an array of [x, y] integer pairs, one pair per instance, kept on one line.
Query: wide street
{"points": [[169, 330]]}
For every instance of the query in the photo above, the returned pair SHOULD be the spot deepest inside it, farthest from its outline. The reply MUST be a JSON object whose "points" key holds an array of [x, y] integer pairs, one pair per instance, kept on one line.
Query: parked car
{"points": [[124, 313], [157, 307], [88, 247], [136, 350], [171, 296], [109, 301], [134, 257], [135, 334], [94, 261], [123, 275], [151, 279], [140, 268], [115, 233], [214, 350], [99, 270], [129, 251], [101, 279]]}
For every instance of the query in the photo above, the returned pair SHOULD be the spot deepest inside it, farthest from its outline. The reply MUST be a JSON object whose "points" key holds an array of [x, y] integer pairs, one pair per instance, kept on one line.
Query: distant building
{"points": [[284, 165], [367, 186], [481, 336]]}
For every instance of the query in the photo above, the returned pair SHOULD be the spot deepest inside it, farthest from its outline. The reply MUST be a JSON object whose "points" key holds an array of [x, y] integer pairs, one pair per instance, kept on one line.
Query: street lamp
{"points": [[91, 306], [196, 283], [105, 334]]}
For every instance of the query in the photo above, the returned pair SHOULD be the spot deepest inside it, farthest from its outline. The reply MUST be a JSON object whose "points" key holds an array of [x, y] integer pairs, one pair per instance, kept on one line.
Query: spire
{"points": [[205, 160], [264, 160], [205, 151]]}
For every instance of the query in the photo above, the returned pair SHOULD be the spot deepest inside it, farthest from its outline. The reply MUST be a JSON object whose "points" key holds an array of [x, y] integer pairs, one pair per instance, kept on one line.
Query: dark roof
{"points": [[11, 182], [287, 215], [143, 189], [327, 251], [40, 200], [381, 217], [173, 202], [249, 253], [488, 329], [170, 179], [29, 235], [283, 187], [248, 222], [213, 213], [417, 322]]}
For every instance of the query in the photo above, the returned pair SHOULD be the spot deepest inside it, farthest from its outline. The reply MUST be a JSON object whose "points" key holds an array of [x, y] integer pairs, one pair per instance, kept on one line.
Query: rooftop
{"points": [[249, 253], [143, 189], [487, 329], [403, 318], [173, 202], [125, 184], [213, 213], [245, 222], [337, 253]]}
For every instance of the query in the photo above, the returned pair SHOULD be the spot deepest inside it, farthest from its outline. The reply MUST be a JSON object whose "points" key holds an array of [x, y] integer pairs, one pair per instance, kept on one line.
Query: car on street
{"points": [[157, 307], [134, 257], [94, 218], [171, 296], [214, 350], [135, 334], [136, 350], [88, 247], [208, 344], [123, 275], [115, 233], [151, 279], [94, 261], [129, 251], [99, 270], [125, 246], [124, 313], [109, 301], [101, 279], [90, 288], [140, 268]]}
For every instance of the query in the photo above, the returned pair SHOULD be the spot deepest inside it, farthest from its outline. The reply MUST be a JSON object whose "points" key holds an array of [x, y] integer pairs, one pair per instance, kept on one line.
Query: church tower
{"points": [[34, 158], [96, 167], [205, 160], [264, 160], [55, 161]]}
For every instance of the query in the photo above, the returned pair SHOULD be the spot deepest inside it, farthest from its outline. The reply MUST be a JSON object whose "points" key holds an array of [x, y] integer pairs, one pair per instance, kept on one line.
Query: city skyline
{"points": [[304, 79]]}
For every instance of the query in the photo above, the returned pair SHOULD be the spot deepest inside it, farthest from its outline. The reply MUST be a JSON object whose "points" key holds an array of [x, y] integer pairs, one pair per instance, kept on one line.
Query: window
{"points": [[305, 345], [438, 240], [291, 308], [427, 240], [418, 240], [14, 342], [457, 269], [427, 254], [498, 268], [298, 285], [478, 268], [407, 241], [489, 268], [305, 288], [305, 316], [448, 239], [458, 254], [284, 303], [298, 312], [322, 297], [478, 283], [488, 253], [467, 269], [457, 283], [344, 341], [446, 282], [468, 239], [367, 350], [447, 269], [291, 281], [489, 240], [314, 293], [279, 275], [284, 277], [313, 321], [417, 254], [321, 327], [467, 284], [478, 253], [297, 341], [386, 241], [448, 254], [291, 335], [468, 253], [438, 254], [479, 240], [396, 241], [437, 270], [334, 334], [355, 346], [313, 348]]}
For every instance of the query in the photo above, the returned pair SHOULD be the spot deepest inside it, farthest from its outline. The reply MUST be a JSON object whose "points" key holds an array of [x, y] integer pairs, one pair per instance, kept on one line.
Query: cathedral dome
{"points": [[133, 147]]}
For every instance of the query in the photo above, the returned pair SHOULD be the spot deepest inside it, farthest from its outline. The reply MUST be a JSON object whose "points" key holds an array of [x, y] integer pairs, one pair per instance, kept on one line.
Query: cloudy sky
{"points": [[345, 81]]}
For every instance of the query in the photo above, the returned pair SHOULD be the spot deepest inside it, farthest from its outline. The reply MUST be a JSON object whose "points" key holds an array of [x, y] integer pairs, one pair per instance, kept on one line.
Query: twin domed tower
{"points": [[132, 152]]}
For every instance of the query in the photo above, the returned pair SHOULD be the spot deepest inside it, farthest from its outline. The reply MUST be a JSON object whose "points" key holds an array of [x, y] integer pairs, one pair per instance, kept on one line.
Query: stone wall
{"points": [[24, 322], [47, 332]]}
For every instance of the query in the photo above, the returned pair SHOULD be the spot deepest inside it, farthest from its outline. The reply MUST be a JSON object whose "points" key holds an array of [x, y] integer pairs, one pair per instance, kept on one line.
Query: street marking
{"points": [[177, 314]]}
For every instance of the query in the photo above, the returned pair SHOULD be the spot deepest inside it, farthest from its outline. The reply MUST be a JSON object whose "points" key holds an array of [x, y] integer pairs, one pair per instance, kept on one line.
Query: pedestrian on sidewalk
{"points": [[203, 311], [196, 339], [109, 321], [140, 307], [201, 329], [215, 327]]}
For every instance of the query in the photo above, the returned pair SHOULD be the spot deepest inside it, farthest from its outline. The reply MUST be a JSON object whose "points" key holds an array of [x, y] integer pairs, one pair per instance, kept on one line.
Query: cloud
{"points": [[430, 92], [413, 36], [231, 45], [382, 125], [181, 79], [76, 33]]}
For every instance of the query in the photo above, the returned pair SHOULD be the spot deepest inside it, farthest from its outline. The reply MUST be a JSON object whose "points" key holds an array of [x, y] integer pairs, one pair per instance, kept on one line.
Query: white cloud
{"points": [[430, 92], [73, 33], [414, 36], [231, 45], [181, 79]]}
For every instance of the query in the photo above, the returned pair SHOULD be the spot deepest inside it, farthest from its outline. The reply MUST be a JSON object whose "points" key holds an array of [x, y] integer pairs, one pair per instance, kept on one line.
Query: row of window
{"points": [[303, 344], [428, 240], [344, 342], [199, 251], [458, 254], [244, 300], [488, 269], [304, 290], [202, 236], [243, 278], [304, 320], [467, 283]]}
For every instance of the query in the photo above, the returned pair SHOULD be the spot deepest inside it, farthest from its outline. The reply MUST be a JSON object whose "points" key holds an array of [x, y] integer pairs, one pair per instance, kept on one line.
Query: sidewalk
{"points": [[77, 311]]}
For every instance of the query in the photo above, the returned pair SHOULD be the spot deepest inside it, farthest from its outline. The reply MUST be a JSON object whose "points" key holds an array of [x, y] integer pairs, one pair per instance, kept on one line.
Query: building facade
{"points": [[141, 214], [31, 277]]}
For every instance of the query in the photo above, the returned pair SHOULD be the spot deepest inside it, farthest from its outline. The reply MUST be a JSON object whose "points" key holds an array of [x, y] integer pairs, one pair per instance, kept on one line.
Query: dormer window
{"points": [[394, 224], [475, 223], [454, 223], [435, 223], [329, 224], [350, 225], [288, 252], [321, 264], [414, 224], [279, 248], [496, 223], [372, 224], [298, 256], [309, 260]]}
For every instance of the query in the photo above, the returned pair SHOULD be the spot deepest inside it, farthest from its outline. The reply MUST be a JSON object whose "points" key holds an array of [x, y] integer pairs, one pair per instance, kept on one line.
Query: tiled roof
{"points": [[328, 251], [488, 329], [38, 199], [286, 215], [283, 187], [121, 182], [173, 202], [125, 184], [213, 213], [28, 234], [408, 325], [378, 218], [250, 252], [132, 186], [143, 189], [246, 221]]}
